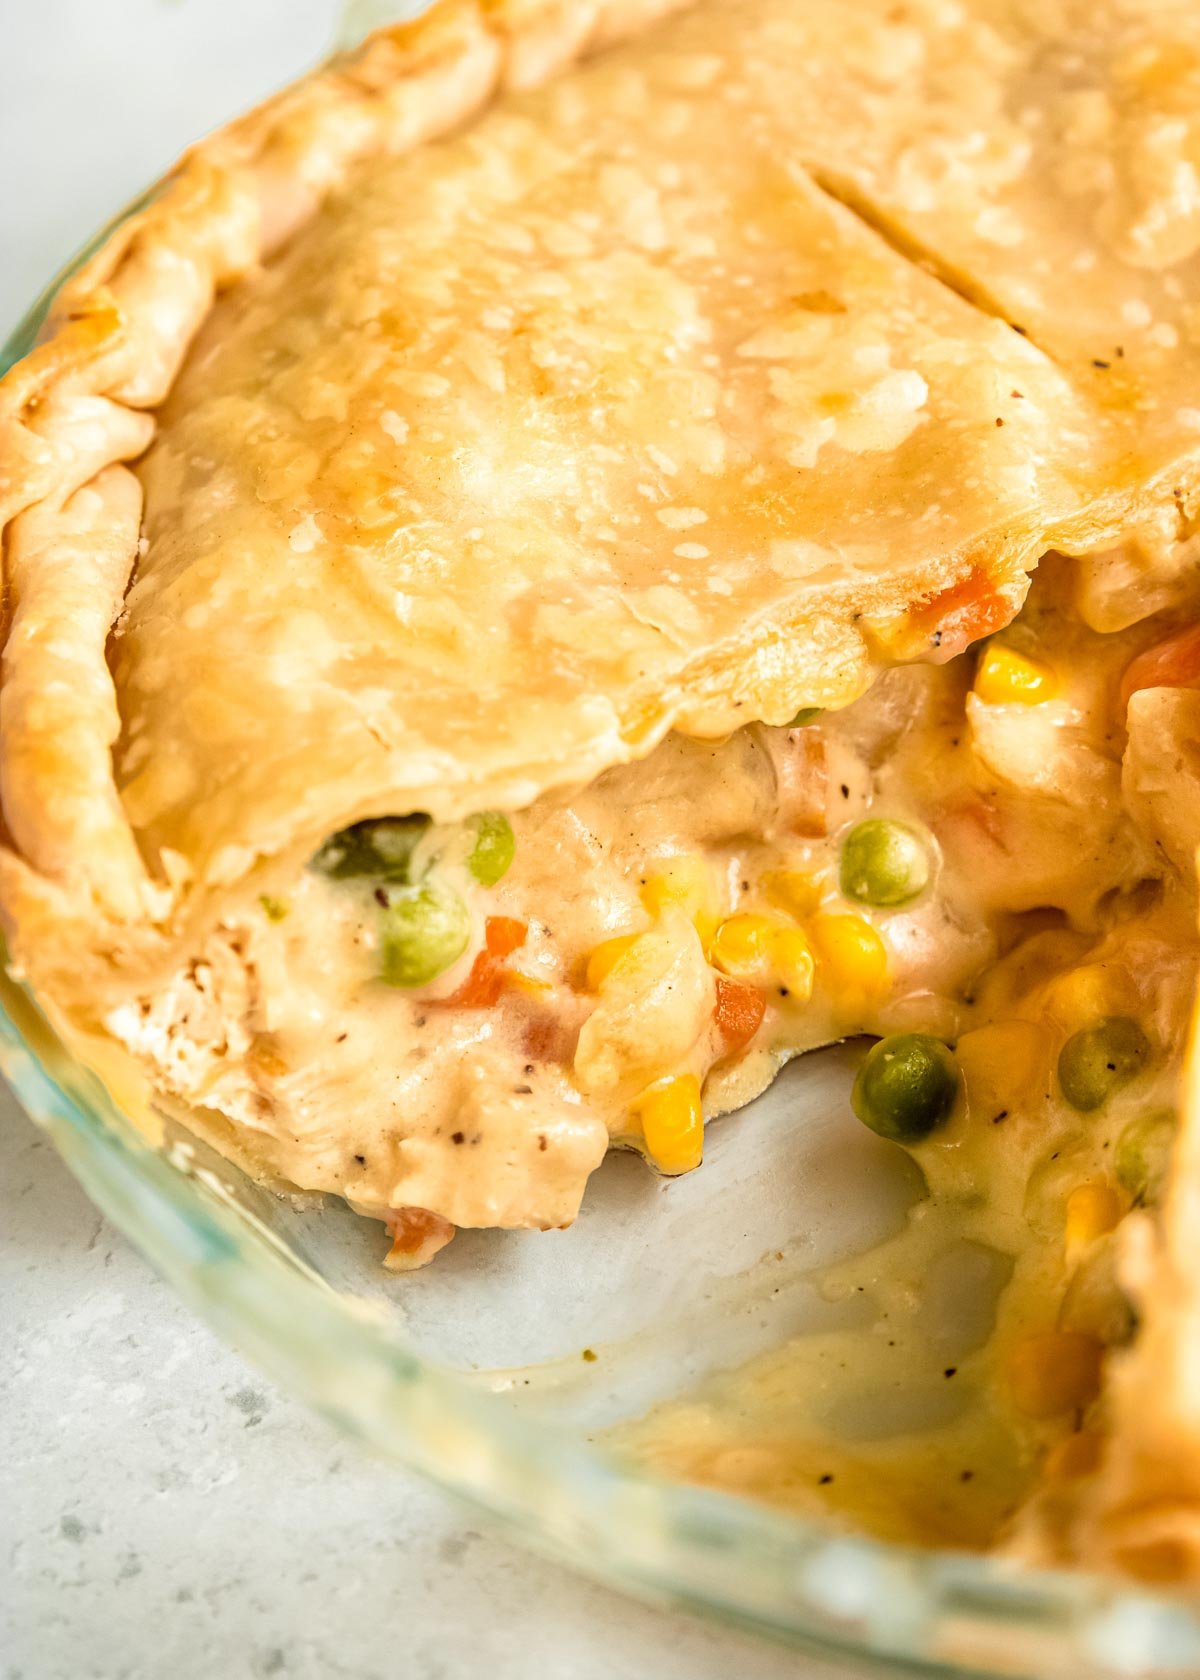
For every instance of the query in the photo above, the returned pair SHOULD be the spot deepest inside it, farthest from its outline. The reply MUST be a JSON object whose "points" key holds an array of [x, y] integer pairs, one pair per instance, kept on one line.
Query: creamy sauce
{"points": [[887, 1423], [497, 1115]]}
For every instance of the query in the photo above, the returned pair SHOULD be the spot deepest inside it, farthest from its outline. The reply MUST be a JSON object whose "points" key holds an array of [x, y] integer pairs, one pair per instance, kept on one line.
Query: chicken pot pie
{"points": [[493, 554]]}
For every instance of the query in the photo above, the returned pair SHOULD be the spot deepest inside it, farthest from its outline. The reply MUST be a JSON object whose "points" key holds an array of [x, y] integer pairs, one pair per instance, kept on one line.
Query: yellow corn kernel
{"points": [[672, 1122], [851, 954], [1092, 1210], [1054, 1372], [1004, 1065], [1074, 1456], [688, 883], [657, 893], [793, 891], [741, 944], [605, 957], [791, 961], [1083, 995], [1006, 678]]}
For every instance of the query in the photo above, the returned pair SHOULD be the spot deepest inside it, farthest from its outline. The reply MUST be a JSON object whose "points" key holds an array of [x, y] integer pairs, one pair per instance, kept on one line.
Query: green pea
{"points": [[1143, 1153], [806, 714], [492, 854], [1096, 1062], [422, 930], [907, 1087], [381, 847], [883, 863]]}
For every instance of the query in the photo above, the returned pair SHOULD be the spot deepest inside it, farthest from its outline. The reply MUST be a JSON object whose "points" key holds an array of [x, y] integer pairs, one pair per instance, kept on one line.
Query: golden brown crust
{"points": [[113, 343], [910, 453]]}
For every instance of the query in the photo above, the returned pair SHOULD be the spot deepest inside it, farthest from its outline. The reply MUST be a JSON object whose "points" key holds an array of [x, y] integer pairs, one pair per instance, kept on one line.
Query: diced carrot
{"points": [[482, 987], [738, 1013], [417, 1235], [502, 935], [961, 613], [1174, 663]]}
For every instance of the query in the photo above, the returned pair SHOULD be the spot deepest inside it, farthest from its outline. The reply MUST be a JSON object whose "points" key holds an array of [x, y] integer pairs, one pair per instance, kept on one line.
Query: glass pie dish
{"points": [[494, 1372]]}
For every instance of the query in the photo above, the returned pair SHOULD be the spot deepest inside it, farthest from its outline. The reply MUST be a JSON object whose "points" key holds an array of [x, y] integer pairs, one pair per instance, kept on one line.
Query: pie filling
{"points": [[985, 863]]}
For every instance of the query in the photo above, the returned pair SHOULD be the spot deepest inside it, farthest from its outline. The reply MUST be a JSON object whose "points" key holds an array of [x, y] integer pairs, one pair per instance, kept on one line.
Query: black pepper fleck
{"points": [[950, 1371], [458, 1137]]}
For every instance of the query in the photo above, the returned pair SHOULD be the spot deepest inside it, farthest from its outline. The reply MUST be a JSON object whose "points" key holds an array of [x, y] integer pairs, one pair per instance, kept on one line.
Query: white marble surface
{"points": [[163, 1511]]}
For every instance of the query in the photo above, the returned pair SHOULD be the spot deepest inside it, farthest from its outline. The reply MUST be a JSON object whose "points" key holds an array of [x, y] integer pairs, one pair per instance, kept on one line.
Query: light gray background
{"points": [[164, 1513]]}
